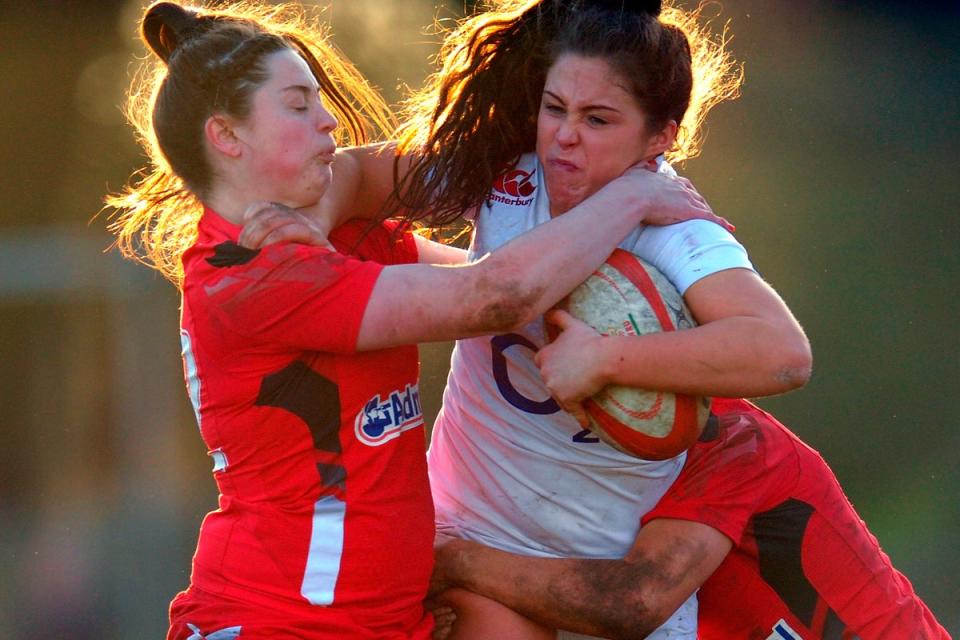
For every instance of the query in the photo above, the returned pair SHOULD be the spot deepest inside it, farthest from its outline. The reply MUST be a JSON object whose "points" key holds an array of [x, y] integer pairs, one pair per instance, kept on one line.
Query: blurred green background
{"points": [[838, 165]]}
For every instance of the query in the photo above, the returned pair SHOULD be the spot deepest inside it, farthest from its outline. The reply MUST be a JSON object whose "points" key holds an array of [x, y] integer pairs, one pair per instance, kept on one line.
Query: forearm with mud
{"points": [[606, 598], [535, 270]]}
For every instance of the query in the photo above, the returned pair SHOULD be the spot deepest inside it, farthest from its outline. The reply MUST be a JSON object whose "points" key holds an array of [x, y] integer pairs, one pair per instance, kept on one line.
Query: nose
{"points": [[567, 134], [326, 122]]}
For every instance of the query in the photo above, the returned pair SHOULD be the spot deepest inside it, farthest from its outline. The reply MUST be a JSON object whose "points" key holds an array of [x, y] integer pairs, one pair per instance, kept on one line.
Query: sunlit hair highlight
{"points": [[477, 113], [155, 216]]}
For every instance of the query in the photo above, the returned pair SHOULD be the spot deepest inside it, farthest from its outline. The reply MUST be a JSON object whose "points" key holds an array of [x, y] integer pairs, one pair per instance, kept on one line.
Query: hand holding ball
{"points": [[627, 296]]}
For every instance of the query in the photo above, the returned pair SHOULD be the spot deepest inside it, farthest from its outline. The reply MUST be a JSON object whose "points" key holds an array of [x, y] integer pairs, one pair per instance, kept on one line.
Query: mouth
{"points": [[563, 165], [327, 157]]}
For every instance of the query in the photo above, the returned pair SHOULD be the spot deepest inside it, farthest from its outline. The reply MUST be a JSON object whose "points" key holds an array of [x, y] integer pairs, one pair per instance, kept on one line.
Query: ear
{"points": [[221, 136], [662, 140]]}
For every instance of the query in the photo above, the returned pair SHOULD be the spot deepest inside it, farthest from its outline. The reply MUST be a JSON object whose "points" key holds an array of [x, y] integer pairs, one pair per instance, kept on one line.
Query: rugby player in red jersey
{"points": [[300, 361]]}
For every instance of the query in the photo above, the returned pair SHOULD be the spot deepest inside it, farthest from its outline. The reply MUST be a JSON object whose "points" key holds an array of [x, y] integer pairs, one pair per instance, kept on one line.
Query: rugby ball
{"points": [[627, 296]]}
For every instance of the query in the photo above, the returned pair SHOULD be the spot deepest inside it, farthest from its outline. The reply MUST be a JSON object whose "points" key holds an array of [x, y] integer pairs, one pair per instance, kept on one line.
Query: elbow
{"points": [[643, 616], [795, 363]]}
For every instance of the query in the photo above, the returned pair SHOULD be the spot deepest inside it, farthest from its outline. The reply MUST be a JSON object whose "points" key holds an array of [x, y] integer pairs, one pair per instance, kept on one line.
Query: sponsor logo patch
{"points": [[515, 187], [383, 419]]}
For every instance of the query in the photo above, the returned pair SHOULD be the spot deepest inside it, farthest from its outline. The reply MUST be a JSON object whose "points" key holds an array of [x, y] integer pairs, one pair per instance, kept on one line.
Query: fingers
{"points": [[558, 317], [443, 619], [701, 203], [269, 223], [579, 412], [256, 207], [259, 220], [294, 231]]}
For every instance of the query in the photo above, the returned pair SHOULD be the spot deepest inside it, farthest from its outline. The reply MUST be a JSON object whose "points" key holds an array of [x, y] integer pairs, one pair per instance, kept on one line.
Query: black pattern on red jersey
{"points": [[229, 254], [316, 400], [779, 533]]}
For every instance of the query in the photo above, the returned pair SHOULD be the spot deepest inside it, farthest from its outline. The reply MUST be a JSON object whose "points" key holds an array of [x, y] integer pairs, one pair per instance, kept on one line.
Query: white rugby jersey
{"points": [[508, 468]]}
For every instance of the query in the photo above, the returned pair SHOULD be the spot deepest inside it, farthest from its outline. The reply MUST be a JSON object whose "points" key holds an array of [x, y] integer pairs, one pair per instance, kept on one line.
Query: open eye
{"points": [[596, 121]]}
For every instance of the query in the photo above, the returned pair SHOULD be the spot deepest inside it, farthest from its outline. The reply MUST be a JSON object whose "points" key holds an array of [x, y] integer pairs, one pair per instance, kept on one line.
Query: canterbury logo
{"points": [[514, 187]]}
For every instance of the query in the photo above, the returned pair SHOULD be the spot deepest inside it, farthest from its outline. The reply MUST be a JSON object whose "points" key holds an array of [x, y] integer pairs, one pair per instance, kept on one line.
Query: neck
{"points": [[230, 206]]}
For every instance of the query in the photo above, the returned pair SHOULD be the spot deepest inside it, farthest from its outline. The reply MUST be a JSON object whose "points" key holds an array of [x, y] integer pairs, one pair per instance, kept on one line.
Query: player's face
{"points": [[590, 129], [287, 139]]}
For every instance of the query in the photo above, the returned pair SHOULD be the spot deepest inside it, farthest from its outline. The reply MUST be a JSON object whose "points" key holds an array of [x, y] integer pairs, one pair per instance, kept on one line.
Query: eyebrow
{"points": [[587, 107], [305, 90]]}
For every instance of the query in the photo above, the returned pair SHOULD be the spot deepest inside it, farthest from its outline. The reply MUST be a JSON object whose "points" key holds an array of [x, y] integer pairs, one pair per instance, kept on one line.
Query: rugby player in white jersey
{"points": [[509, 468]]}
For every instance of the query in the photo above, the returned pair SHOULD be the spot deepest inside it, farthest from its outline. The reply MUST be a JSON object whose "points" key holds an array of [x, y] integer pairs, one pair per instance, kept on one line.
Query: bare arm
{"points": [[430, 252], [747, 344], [519, 281], [626, 598]]}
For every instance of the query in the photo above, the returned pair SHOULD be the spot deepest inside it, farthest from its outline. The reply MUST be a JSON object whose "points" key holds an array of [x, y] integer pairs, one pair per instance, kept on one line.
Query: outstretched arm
{"points": [[626, 598], [520, 280]]}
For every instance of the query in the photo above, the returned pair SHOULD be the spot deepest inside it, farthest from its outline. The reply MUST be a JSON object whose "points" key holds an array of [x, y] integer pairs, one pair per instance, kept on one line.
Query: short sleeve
{"points": [[724, 481], [291, 295], [390, 242], [691, 250]]}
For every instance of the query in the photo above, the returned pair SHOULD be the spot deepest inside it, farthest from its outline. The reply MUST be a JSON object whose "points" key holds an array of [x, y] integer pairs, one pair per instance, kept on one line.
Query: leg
{"points": [[480, 618]]}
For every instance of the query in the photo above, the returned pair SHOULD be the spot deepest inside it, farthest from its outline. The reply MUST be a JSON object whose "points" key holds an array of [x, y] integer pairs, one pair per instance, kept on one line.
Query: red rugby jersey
{"points": [[324, 508], [803, 564]]}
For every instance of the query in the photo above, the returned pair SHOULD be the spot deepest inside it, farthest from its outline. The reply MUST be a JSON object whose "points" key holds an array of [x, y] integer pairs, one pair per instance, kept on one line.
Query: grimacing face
{"points": [[590, 129]]}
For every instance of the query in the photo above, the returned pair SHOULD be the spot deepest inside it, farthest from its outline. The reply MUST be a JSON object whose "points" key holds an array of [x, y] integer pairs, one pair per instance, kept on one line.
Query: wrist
{"points": [[636, 193], [609, 358]]}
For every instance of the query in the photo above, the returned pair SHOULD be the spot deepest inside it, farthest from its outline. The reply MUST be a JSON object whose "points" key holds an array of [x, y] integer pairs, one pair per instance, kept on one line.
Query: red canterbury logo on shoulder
{"points": [[514, 187]]}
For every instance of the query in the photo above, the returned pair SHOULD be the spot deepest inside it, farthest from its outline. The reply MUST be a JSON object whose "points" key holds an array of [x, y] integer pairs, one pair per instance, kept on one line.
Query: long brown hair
{"points": [[477, 113], [207, 61]]}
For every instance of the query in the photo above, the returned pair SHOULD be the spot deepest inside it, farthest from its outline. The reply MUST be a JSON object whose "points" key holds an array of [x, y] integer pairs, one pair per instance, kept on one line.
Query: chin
{"points": [[564, 201]]}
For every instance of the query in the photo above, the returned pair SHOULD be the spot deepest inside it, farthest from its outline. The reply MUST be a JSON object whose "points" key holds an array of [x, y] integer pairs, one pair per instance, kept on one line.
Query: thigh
{"points": [[480, 618]]}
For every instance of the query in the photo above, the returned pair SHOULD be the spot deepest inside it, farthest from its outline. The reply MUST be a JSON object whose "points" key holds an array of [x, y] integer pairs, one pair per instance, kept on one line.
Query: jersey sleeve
{"points": [[291, 295], [691, 250], [725, 481], [390, 242]]}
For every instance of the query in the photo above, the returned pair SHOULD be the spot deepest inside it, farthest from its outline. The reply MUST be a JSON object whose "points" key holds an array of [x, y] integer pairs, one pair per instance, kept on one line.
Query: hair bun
{"points": [[165, 26], [651, 7]]}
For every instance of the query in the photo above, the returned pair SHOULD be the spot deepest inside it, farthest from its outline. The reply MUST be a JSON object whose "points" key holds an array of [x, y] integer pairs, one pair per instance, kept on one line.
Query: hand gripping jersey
{"points": [[325, 523], [803, 565], [511, 470]]}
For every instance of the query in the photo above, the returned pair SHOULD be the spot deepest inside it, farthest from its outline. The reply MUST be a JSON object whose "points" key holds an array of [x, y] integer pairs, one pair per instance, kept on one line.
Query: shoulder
{"points": [[691, 233]]}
